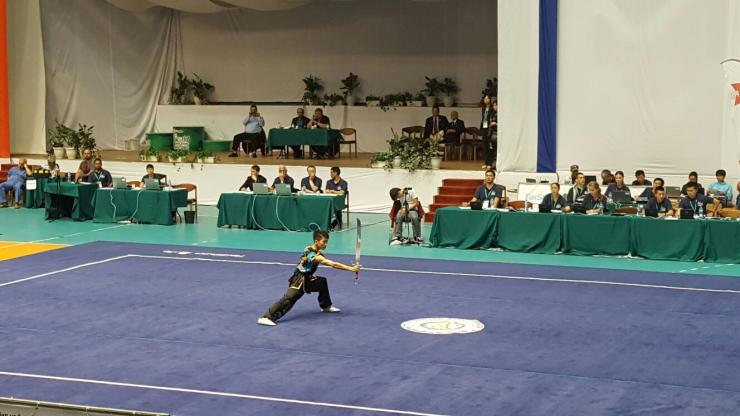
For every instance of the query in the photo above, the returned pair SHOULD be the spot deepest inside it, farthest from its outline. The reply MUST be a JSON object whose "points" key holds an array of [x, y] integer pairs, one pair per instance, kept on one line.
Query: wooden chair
{"points": [[729, 213], [627, 210], [519, 205], [413, 132], [135, 184], [348, 131], [471, 138], [191, 201]]}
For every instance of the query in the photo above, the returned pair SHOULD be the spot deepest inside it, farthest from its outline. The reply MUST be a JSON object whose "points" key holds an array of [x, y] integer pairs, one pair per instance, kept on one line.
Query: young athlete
{"points": [[304, 281]]}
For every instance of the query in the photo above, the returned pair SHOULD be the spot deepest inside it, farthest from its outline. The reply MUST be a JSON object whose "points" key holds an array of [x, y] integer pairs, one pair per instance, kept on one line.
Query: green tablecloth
{"points": [[463, 228], [722, 241], [75, 199], [529, 232], [272, 212], [596, 234], [152, 207], [35, 198], [660, 239], [296, 137]]}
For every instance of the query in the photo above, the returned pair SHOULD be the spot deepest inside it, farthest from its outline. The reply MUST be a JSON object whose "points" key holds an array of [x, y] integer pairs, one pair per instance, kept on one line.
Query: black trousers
{"points": [[250, 142], [489, 145], [332, 149], [299, 284]]}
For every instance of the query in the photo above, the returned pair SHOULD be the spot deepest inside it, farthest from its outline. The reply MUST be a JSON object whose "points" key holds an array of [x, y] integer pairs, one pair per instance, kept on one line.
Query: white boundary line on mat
{"points": [[79, 266], [218, 393]]}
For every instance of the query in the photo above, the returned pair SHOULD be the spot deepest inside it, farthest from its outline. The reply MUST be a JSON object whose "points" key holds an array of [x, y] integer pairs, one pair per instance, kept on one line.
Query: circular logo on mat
{"points": [[443, 326]]}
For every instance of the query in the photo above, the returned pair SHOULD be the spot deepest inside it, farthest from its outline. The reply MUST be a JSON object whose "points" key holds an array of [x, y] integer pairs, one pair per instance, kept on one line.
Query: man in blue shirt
{"points": [[488, 192], [99, 175], [696, 202], [660, 203], [721, 188], [693, 177], [311, 183], [650, 192], [17, 182], [338, 186], [250, 139], [283, 178]]}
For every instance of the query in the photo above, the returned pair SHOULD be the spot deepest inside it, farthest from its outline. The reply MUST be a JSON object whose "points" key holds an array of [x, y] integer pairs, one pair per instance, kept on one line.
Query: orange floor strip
{"points": [[12, 249]]}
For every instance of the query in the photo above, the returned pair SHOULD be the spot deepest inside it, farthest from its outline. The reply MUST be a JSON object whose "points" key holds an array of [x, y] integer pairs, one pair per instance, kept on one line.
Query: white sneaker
{"points": [[331, 309], [265, 321], [396, 242]]}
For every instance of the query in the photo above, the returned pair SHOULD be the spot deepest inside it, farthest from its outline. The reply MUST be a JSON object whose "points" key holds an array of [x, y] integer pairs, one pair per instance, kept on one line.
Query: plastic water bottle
{"points": [[701, 209], [640, 210]]}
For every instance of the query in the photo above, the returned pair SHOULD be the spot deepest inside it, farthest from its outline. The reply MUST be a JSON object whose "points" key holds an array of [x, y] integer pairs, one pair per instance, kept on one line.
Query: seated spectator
{"points": [[320, 121], [737, 201], [721, 188], [606, 177], [693, 178], [409, 210], [454, 130], [152, 176], [435, 123], [251, 138], [311, 183], [99, 175], [86, 165], [489, 193], [573, 174], [338, 186], [52, 166], [698, 203], [254, 177], [617, 185], [660, 203], [594, 202], [300, 121], [554, 200], [577, 192], [650, 192], [17, 182], [640, 179], [283, 178]]}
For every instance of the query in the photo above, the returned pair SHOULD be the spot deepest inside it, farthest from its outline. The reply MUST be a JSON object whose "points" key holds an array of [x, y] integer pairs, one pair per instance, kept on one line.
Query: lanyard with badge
{"points": [[485, 119]]}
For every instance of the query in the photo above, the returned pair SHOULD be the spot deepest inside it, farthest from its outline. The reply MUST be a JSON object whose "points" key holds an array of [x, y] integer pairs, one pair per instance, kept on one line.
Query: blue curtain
{"points": [[547, 96]]}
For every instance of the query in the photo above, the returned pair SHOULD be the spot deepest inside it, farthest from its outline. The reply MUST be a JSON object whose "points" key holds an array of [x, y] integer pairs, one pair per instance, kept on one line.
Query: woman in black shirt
{"points": [[553, 200]]}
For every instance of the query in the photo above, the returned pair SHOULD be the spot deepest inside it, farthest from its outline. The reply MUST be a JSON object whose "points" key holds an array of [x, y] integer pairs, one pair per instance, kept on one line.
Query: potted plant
{"points": [[349, 85], [418, 100], [333, 99], [432, 88], [432, 150], [143, 155], [201, 90], [372, 101], [450, 88], [58, 138], [152, 155], [380, 160], [205, 157], [86, 139], [312, 90], [397, 146], [178, 156]]}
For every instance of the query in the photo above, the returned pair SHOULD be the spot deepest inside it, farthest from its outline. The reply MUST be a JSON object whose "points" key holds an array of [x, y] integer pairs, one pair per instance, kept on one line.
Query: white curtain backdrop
{"points": [[640, 85], [107, 67], [517, 91]]}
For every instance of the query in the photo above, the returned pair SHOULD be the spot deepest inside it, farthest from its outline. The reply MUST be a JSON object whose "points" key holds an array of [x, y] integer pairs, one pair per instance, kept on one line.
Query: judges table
{"points": [[274, 212], [73, 199], [300, 137], [713, 240], [151, 207], [34, 198]]}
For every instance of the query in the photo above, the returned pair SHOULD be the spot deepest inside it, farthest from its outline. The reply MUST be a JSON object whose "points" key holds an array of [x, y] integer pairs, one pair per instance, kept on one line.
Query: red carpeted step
{"points": [[462, 182], [452, 199], [456, 190], [6, 166], [428, 217]]}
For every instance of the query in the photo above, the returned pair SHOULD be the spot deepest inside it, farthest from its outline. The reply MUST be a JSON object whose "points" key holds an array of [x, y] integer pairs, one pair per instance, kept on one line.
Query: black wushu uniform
{"points": [[302, 281]]}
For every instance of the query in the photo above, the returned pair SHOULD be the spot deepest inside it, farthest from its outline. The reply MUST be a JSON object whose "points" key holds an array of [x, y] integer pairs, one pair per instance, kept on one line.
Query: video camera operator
{"points": [[406, 208]]}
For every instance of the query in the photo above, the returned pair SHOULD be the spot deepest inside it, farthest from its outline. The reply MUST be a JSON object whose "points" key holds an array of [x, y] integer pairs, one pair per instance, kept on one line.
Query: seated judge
{"points": [[300, 121], [251, 138], [152, 176], [99, 175], [578, 191], [594, 202], [52, 166], [721, 188], [640, 179], [284, 179], [554, 200], [16, 182], [320, 121], [254, 177], [488, 192], [606, 177], [737, 201], [454, 130], [693, 177], [86, 165], [617, 185], [311, 183], [697, 202], [650, 192], [660, 203], [435, 123], [337, 186]]}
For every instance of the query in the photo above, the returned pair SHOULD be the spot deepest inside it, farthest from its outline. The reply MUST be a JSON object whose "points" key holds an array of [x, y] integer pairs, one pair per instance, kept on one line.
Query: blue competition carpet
{"points": [[172, 329]]}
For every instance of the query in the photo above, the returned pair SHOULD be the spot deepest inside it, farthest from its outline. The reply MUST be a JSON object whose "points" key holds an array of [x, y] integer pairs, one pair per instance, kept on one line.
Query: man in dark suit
{"points": [[454, 130], [299, 122], [435, 123]]}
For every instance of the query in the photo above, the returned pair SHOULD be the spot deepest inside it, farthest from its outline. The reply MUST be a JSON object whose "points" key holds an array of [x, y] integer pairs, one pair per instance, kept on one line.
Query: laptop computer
{"points": [[120, 183], [651, 212], [152, 184], [687, 214], [260, 189], [621, 196], [283, 189], [590, 178], [545, 208], [476, 205], [672, 192]]}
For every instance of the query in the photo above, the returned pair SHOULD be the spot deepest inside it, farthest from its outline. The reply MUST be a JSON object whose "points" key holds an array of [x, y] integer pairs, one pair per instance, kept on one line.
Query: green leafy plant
{"points": [[59, 135], [372, 98], [420, 96], [333, 99], [449, 87], [177, 154], [179, 93], [203, 154], [349, 85], [384, 157], [312, 90], [85, 138], [432, 87], [201, 89]]}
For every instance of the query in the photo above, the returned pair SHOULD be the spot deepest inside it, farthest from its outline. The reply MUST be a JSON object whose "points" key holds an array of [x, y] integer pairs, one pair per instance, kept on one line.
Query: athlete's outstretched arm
{"points": [[335, 264]]}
